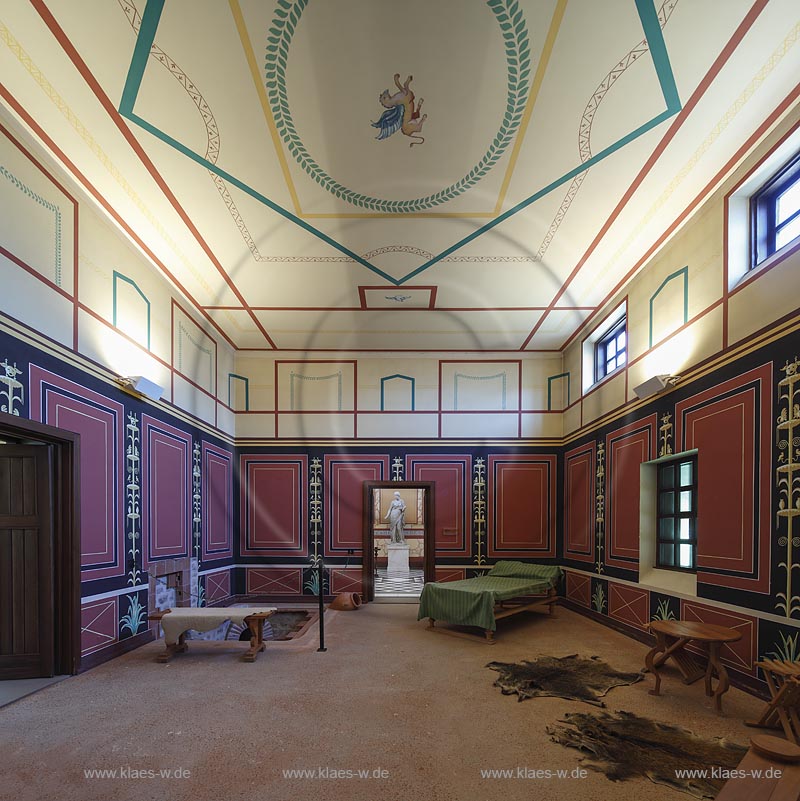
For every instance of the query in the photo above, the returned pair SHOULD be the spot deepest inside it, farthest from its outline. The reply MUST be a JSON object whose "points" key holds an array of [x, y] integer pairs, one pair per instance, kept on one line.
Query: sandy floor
{"points": [[415, 709]]}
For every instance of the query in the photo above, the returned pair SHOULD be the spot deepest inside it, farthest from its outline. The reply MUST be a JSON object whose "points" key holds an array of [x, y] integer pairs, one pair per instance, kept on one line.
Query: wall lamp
{"points": [[141, 387], [654, 385]]}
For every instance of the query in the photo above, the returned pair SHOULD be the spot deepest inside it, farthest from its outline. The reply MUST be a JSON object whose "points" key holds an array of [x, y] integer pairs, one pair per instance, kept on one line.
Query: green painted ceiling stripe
{"points": [[144, 41], [658, 51]]}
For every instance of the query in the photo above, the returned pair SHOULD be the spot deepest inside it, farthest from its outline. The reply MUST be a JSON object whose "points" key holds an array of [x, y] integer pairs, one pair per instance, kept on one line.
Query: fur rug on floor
{"points": [[624, 746], [570, 677]]}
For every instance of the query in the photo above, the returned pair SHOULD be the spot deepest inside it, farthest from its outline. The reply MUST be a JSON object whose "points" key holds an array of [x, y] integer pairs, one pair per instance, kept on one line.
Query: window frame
{"points": [[676, 515], [601, 370], [763, 212]]}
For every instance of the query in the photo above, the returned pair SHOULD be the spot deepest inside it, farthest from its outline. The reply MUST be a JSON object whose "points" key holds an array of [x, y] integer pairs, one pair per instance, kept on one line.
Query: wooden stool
{"points": [[783, 680]]}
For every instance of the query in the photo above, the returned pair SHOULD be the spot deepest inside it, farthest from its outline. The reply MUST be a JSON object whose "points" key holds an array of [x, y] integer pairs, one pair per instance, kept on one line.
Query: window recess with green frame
{"points": [[676, 526]]}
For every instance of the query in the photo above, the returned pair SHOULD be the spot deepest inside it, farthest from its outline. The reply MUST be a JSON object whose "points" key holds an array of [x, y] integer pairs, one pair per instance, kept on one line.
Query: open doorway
{"points": [[39, 550], [398, 539]]}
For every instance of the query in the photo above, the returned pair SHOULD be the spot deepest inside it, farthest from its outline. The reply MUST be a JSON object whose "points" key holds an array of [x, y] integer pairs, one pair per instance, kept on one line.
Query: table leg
{"points": [[176, 648], [715, 666], [650, 660], [257, 643]]}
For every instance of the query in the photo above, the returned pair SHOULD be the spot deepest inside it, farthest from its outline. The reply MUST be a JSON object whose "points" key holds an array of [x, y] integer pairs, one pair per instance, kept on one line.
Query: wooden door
{"points": [[26, 562]]}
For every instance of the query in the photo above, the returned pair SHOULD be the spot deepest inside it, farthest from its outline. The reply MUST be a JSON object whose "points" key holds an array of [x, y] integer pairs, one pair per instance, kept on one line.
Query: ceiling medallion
{"points": [[517, 49]]}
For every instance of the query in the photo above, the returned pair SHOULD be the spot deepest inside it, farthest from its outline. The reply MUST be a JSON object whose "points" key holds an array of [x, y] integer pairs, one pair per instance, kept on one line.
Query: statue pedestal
{"points": [[398, 557]]}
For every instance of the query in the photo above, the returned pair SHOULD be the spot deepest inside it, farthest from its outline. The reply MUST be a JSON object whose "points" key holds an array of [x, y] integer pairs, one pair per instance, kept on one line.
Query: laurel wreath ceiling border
{"points": [[517, 47]]}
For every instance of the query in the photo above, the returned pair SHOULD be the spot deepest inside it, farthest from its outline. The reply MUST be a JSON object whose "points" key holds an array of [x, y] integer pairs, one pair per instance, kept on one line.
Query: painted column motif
{"points": [[315, 525], [787, 480], [133, 511], [197, 518], [665, 438], [397, 469], [8, 379], [600, 505], [479, 508]]}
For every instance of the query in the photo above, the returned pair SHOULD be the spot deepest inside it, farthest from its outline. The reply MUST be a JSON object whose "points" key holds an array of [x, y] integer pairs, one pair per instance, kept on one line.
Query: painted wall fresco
{"points": [[146, 493]]}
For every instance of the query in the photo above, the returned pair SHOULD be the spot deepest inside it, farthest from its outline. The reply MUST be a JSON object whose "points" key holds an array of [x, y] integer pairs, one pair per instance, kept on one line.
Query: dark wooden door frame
{"points": [[66, 532], [367, 553]]}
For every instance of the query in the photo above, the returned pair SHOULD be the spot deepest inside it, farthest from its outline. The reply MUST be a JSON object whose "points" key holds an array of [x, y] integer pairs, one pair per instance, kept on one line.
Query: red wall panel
{"points": [[579, 588], [218, 586], [626, 449], [166, 490], [274, 580], [522, 506], [740, 655], [452, 476], [449, 574], [629, 605], [217, 502], [346, 580], [345, 475], [273, 504], [100, 423], [98, 625], [731, 427], [579, 503]]}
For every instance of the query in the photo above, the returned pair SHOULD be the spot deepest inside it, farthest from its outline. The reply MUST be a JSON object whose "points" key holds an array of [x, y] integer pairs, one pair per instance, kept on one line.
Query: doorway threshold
{"points": [[396, 599], [13, 689]]}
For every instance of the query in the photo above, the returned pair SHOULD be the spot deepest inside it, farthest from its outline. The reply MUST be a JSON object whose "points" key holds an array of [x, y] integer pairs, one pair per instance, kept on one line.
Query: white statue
{"points": [[396, 518]]}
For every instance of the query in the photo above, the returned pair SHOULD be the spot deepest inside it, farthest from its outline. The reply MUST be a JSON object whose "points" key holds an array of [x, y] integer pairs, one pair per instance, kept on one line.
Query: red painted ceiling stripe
{"points": [[687, 109], [117, 119], [82, 179], [704, 192]]}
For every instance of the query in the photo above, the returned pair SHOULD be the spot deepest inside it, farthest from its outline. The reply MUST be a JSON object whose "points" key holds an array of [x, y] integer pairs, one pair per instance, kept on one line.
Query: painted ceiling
{"points": [[382, 175]]}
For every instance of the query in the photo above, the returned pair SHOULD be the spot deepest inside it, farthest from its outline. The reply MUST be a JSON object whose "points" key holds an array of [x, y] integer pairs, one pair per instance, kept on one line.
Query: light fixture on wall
{"points": [[141, 386], [654, 385]]}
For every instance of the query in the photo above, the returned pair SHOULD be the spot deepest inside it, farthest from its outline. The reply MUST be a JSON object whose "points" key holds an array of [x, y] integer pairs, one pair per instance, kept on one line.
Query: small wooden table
{"points": [[672, 636], [215, 616]]}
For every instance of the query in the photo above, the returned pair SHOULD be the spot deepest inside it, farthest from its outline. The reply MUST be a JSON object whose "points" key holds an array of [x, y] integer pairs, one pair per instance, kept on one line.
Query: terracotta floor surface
{"points": [[415, 709]]}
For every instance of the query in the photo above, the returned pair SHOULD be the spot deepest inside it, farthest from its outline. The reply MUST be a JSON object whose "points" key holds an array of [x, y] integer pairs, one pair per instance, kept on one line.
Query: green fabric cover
{"points": [[471, 602], [525, 570]]}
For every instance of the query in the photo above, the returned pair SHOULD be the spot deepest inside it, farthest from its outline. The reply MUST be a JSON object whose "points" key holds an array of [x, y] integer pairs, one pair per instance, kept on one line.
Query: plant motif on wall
{"points": [[788, 481], [197, 506], [315, 506], [666, 435], [135, 616], [663, 612], [599, 599], [311, 585], [133, 497], [600, 505], [8, 378], [479, 508], [397, 469], [788, 649]]}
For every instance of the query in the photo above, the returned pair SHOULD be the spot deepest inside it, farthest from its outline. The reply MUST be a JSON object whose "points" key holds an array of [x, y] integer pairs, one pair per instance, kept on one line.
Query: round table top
{"points": [[695, 630]]}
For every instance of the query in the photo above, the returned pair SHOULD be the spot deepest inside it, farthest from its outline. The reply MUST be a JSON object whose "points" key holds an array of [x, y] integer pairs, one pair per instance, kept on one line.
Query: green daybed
{"points": [[482, 601]]}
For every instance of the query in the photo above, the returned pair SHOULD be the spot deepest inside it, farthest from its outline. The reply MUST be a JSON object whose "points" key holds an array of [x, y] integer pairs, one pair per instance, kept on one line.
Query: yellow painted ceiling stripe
{"points": [[241, 28], [541, 69]]}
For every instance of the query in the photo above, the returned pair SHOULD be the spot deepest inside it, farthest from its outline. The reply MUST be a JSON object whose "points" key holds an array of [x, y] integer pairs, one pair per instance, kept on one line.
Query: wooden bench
{"points": [[184, 618]]}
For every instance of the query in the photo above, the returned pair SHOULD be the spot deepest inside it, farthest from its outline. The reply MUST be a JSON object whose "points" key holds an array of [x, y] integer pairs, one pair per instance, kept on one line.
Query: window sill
{"points": [[672, 581]]}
